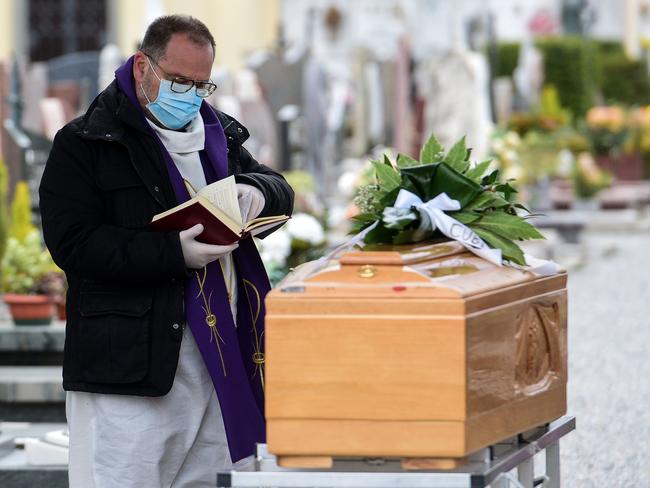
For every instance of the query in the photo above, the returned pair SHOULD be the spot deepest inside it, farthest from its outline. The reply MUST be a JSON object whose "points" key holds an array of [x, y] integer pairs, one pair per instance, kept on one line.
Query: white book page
{"points": [[262, 228], [223, 195]]}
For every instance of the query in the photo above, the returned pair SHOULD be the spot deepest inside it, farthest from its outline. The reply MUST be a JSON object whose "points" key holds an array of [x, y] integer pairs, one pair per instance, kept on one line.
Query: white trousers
{"points": [[174, 441]]}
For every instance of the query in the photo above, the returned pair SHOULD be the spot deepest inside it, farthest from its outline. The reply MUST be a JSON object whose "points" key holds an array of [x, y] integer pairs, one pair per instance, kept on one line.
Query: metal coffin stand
{"points": [[488, 467]]}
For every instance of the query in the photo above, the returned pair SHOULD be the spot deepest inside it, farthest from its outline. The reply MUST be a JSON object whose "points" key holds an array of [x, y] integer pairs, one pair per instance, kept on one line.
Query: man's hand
{"points": [[197, 254], [251, 201]]}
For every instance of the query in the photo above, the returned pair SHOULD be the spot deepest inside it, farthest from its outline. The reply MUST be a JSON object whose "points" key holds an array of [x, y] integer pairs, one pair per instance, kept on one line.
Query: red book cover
{"points": [[214, 230]]}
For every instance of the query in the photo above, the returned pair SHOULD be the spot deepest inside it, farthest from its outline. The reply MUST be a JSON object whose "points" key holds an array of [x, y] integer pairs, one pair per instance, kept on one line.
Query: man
{"points": [[163, 357]]}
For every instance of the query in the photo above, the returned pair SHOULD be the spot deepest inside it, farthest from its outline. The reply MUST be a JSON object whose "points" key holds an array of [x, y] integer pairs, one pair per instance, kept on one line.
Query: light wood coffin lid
{"points": [[392, 272]]}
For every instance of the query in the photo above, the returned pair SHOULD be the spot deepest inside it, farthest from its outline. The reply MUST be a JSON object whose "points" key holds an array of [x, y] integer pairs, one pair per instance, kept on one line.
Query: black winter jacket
{"points": [[103, 182]]}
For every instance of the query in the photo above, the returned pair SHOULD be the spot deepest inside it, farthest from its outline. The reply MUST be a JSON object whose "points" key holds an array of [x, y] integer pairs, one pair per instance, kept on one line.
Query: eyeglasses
{"points": [[181, 84]]}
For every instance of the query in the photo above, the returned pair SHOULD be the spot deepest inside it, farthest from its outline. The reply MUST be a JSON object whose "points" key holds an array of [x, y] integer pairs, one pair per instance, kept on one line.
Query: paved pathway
{"points": [[609, 365]]}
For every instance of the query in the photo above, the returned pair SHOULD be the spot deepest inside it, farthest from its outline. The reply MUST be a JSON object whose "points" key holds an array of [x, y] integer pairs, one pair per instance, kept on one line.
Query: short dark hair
{"points": [[161, 30]]}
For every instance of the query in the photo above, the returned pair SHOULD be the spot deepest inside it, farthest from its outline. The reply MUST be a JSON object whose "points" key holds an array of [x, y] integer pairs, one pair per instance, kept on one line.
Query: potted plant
{"points": [[611, 131], [30, 279]]}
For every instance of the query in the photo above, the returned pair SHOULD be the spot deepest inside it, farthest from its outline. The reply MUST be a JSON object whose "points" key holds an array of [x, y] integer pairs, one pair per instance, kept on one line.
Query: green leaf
{"points": [[485, 200], [431, 151], [509, 249], [379, 235], [356, 227], [522, 207], [429, 180], [476, 173], [388, 198], [361, 221], [417, 179], [404, 161], [491, 178], [457, 156], [387, 161], [508, 226], [507, 190], [387, 176], [465, 217], [405, 237], [365, 218], [456, 185]]}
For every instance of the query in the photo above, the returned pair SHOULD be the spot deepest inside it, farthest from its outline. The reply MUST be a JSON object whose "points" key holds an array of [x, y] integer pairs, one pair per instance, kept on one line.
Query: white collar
{"points": [[190, 140]]}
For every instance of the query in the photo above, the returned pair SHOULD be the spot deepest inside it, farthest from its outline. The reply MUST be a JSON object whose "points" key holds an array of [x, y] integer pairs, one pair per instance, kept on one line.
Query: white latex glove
{"points": [[198, 254], [251, 201]]}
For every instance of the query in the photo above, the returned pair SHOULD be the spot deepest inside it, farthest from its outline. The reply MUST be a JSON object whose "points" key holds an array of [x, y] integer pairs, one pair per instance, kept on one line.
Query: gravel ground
{"points": [[609, 365]]}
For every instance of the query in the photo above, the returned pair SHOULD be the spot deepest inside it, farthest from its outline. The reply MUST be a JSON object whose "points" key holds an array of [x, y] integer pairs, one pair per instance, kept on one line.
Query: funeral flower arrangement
{"points": [[443, 195]]}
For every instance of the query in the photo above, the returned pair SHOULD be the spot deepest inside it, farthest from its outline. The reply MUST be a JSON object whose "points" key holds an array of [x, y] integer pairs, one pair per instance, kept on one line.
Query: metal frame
{"points": [[489, 467]]}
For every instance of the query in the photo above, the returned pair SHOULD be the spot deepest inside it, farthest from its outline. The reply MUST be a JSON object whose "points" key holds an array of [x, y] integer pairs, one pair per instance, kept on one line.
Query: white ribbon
{"points": [[435, 210], [356, 240], [540, 267]]}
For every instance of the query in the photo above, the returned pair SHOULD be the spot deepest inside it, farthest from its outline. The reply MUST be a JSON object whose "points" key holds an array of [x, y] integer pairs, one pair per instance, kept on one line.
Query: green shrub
{"points": [[624, 81], [506, 59], [571, 64], [621, 80], [606, 47], [580, 68]]}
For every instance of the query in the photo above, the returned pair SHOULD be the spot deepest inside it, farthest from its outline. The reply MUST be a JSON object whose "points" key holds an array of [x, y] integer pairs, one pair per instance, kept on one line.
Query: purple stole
{"points": [[238, 380]]}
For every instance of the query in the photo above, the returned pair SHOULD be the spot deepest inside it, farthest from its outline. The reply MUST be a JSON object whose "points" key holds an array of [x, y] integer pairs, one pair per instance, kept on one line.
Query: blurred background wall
{"points": [[33, 28]]}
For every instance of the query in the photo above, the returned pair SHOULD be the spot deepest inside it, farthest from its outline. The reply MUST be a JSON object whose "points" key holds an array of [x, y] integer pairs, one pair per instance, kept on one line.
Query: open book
{"points": [[216, 207]]}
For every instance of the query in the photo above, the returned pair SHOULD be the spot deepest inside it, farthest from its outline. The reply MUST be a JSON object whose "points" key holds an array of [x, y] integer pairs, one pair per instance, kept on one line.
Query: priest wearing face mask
{"points": [[163, 361]]}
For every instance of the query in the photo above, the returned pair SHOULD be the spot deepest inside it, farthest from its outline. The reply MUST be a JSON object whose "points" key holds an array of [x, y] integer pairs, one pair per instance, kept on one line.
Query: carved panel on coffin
{"points": [[538, 359]]}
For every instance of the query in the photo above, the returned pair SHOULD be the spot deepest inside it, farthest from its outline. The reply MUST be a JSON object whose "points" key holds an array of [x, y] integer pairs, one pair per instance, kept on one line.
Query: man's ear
{"points": [[139, 66]]}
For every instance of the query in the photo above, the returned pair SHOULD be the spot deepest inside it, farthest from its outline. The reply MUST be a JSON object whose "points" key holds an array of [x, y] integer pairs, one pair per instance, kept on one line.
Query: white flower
{"points": [[509, 157], [498, 146], [347, 183], [276, 247], [306, 228], [336, 216], [512, 139]]}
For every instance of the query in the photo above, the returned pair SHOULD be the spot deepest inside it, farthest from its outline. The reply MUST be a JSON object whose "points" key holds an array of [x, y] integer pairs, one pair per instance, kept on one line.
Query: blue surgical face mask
{"points": [[173, 110]]}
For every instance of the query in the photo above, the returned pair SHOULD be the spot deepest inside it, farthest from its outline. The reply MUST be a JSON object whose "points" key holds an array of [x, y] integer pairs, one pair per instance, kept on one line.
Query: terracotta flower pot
{"points": [[30, 309], [59, 303], [623, 166]]}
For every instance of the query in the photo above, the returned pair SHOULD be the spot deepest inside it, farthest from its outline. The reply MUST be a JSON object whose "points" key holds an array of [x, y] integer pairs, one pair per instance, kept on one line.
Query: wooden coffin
{"points": [[424, 351]]}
